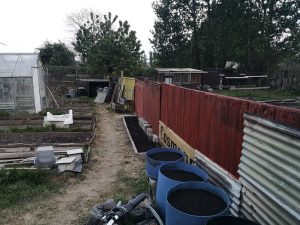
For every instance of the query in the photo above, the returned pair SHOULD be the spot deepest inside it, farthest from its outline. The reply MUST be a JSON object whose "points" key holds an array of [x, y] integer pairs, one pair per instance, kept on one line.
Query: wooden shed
{"points": [[186, 77]]}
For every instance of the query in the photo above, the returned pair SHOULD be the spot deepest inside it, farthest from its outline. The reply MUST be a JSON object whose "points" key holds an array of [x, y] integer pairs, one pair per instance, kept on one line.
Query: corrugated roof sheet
{"points": [[179, 70], [270, 172]]}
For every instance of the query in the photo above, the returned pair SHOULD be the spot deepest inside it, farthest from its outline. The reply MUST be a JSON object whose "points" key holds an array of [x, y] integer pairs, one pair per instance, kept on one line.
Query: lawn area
{"points": [[18, 187], [261, 95]]}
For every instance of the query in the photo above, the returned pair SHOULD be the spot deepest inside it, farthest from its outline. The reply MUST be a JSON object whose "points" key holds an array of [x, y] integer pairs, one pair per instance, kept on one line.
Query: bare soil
{"points": [[197, 202], [139, 137], [45, 137], [111, 156], [181, 175], [166, 156]]}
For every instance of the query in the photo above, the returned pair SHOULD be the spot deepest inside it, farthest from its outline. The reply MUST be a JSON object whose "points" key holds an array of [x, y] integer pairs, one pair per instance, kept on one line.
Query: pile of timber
{"points": [[23, 156]]}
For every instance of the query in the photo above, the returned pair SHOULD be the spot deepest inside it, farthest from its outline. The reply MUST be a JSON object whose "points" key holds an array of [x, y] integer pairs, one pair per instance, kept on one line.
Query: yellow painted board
{"points": [[128, 84], [170, 139]]}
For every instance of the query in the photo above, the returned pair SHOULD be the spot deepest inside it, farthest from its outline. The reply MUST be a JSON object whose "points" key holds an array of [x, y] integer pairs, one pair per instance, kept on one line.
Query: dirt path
{"points": [[111, 155]]}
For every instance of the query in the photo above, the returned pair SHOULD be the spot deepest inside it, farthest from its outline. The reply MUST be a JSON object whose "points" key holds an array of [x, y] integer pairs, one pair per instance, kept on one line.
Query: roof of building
{"points": [[179, 70], [17, 64], [93, 80]]}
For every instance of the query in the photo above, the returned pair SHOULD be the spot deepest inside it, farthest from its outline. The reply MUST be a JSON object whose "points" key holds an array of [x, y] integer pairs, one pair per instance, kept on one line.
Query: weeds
{"points": [[21, 186], [18, 187], [129, 186], [51, 128], [4, 114]]}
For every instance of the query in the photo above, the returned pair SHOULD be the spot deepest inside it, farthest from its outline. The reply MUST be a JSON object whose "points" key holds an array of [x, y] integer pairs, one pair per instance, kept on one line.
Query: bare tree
{"points": [[76, 19]]}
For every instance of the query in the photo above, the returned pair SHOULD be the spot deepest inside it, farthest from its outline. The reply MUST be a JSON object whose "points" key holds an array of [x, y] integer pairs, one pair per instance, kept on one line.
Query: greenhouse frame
{"points": [[22, 83]]}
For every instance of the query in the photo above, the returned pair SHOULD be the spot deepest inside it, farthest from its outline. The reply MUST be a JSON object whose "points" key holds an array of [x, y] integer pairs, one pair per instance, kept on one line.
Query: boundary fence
{"points": [[210, 123]]}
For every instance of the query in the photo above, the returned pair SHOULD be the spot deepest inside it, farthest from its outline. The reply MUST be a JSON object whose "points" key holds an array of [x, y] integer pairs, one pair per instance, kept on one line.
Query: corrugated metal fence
{"points": [[270, 172], [210, 123]]}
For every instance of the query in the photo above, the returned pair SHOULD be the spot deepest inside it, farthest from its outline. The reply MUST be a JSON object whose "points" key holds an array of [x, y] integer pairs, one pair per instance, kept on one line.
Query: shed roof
{"points": [[17, 64], [179, 70]]}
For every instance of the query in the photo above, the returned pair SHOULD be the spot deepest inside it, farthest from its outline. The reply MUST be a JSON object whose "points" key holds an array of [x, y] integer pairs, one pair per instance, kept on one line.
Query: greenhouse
{"points": [[22, 83]]}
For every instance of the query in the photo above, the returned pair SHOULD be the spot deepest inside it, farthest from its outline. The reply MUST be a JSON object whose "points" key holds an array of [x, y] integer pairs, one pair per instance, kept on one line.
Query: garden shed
{"points": [[186, 77], [22, 83]]}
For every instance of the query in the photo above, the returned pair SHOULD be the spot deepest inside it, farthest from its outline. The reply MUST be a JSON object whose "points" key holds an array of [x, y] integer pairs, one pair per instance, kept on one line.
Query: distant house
{"points": [[22, 83], [186, 77]]}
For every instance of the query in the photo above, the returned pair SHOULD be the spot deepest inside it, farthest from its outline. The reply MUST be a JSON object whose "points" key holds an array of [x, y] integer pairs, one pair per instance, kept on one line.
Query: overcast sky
{"points": [[26, 24]]}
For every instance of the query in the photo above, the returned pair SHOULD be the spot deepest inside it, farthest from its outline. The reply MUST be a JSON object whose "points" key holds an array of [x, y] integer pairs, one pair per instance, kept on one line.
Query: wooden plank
{"points": [[220, 139], [213, 136], [66, 160], [75, 151], [201, 126], [16, 164], [14, 150], [17, 155], [207, 125], [230, 134]]}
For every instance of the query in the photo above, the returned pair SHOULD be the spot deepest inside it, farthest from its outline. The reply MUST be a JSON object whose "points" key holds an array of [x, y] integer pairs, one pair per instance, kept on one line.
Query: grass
{"points": [[129, 186], [4, 114], [19, 187], [22, 186], [51, 128], [261, 95]]}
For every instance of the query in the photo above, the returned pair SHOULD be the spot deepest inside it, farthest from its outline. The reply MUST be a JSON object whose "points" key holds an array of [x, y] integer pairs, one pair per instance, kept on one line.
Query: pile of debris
{"points": [[64, 158]]}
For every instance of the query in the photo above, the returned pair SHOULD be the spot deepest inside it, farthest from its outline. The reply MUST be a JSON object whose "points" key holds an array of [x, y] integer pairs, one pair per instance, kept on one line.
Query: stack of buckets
{"points": [[166, 186]]}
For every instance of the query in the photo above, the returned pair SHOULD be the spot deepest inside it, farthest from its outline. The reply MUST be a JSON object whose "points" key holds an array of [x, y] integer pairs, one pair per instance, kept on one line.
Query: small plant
{"points": [[18, 187], [4, 114], [48, 128]]}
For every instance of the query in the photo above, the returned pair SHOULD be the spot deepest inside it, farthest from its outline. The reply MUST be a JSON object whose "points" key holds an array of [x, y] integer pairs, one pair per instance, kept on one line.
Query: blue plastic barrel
{"points": [[152, 165], [230, 220], [164, 183], [177, 217]]}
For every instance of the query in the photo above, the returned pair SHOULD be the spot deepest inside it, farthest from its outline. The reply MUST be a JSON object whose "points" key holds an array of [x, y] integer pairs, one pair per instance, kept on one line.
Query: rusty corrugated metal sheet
{"points": [[270, 172]]}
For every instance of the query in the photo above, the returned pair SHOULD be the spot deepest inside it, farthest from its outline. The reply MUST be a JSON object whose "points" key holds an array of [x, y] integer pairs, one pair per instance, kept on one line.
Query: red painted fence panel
{"points": [[147, 102], [210, 123], [139, 98], [213, 124]]}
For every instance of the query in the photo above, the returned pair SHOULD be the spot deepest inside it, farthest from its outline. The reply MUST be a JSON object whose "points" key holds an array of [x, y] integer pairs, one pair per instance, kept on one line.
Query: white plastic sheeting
{"points": [[270, 172], [22, 83], [17, 64]]}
